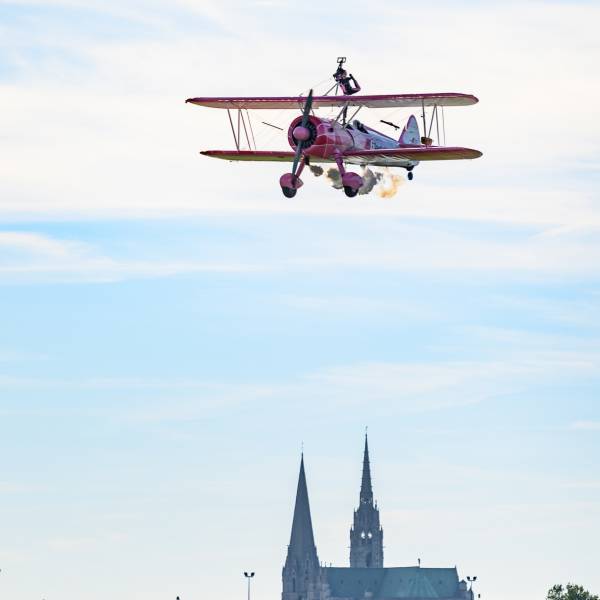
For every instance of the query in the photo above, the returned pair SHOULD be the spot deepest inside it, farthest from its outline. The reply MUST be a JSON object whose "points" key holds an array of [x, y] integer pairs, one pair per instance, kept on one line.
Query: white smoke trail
{"points": [[336, 179], [370, 180], [385, 183]]}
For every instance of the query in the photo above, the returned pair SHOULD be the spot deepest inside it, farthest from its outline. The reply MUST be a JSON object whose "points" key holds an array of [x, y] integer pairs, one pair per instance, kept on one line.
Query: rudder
{"points": [[410, 134]]}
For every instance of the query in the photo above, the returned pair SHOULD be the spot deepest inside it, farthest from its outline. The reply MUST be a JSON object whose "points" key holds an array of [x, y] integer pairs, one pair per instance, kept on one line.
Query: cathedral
{"points": [[304, 578]]}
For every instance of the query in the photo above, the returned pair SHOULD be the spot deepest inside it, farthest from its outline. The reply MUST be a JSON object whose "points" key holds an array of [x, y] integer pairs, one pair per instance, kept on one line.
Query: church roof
{"points": [[408, 583]]}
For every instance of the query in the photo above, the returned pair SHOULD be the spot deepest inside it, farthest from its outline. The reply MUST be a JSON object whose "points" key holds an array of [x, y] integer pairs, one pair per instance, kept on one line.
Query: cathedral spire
{"points": [[366, 534], [301, 569], [366, 489], [302, 540]]}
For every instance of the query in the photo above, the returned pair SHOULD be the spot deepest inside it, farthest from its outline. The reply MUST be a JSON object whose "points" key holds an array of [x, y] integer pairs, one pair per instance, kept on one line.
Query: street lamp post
{"points": [[472, 580], [249, 576]]}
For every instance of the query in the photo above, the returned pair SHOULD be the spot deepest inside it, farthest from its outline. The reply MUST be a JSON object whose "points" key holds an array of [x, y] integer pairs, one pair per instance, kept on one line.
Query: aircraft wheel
{"points": [[349, 191], [289, 192], [410, 176]]}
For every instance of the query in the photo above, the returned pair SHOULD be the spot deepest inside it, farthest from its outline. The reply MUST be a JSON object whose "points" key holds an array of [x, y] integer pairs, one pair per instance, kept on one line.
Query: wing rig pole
{"points": [[342, 113], [354, 114]]}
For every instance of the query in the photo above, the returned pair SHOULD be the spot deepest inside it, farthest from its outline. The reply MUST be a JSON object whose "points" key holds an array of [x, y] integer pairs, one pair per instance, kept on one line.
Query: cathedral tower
{"points": [[301, 571], [366, 534]]}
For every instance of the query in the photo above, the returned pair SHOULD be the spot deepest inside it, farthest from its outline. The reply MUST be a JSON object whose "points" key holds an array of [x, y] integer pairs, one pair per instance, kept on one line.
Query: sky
{"points": [[173, 331]]}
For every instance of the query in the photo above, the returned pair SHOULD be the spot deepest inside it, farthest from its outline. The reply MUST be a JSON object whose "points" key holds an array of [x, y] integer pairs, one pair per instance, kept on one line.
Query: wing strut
{"points": [[427, 130], [444, 125], [237, 144], [434, 115], [241, 123], [251, 130], [241, 114]]}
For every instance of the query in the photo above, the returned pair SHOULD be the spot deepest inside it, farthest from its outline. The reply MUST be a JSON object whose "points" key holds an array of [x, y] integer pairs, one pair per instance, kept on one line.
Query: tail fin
{"points": [[410, 134]]}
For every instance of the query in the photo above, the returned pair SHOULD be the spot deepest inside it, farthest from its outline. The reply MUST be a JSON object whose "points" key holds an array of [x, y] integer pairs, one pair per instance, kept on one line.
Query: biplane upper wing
{"points": [[297, 102], [393, 157], [258, 155]]}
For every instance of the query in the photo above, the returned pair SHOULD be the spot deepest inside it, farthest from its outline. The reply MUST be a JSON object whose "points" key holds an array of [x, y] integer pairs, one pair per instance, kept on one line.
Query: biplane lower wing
{"points": [[258, 155], [396, 157], [389, 157]]}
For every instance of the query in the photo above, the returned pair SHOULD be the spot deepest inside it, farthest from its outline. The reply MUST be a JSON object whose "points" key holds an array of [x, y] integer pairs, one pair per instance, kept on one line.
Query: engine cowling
{"points": [[306, 134]]}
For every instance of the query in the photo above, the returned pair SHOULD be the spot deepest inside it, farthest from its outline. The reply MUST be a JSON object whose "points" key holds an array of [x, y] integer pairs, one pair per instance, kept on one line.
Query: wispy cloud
{"points": [[31, 257], [395, 387], [586, 425], [280, 247], [8, 487]]}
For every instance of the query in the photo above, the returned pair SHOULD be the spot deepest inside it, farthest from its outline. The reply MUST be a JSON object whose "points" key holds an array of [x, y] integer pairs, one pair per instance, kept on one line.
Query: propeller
{"points": [[301, 132]]}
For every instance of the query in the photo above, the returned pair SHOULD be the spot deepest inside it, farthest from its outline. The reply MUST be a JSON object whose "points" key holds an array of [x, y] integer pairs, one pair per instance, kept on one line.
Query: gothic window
{"points": [[363, 535], [293, 584], [369, 535]]}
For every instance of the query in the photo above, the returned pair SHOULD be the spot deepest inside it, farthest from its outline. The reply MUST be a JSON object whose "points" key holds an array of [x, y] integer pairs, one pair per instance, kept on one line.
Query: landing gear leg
{"points": [[352, 182], [290, 183], [410, 176]]}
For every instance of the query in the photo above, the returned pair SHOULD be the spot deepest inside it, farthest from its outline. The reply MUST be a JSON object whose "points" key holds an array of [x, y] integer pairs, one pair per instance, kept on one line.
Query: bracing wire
{"points": [[443, 125]]}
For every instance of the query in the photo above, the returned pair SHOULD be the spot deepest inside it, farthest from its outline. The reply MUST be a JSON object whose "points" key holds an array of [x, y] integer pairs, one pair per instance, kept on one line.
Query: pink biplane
{"points": [[342, 140]]}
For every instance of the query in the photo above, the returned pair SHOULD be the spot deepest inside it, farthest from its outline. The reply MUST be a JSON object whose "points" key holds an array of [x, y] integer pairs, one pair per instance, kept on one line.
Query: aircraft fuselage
{"points": [[329, 138]]}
